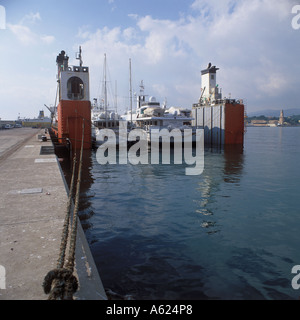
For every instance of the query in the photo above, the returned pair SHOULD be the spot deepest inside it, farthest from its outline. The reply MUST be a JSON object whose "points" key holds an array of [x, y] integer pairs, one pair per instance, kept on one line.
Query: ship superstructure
{"points": [[74, 107], [221, 118]]}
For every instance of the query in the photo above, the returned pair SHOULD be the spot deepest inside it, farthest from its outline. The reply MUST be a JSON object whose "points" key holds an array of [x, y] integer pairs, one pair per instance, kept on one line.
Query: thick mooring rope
{"points": [[60, 283], [64, 238], [71, 260]]}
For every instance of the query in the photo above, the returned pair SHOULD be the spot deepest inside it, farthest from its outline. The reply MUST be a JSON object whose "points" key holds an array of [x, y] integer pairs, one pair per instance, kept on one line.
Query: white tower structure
{"points": [[209, 88], [281, 118], [74, 80]]}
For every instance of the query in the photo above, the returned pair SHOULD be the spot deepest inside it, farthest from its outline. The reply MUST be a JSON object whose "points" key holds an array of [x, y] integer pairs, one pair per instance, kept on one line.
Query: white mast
{"points": [[130, 84], [105, 91], [116, 97]]}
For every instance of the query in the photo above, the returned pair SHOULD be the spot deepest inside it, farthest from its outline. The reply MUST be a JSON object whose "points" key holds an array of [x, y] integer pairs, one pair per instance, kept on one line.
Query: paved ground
{"points": [[12, 138], [32, 209]]}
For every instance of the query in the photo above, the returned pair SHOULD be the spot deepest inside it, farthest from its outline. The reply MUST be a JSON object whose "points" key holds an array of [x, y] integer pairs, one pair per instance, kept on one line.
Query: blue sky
{"points": [[168, 41]]}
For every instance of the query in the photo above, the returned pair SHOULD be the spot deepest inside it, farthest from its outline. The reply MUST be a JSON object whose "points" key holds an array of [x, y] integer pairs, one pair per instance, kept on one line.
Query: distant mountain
{"points": [[275, 113]]}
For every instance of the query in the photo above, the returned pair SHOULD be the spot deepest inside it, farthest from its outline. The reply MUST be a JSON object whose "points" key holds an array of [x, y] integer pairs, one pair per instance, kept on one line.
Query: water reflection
{"points": [[234, 163], [141, 224], [87, 180], [221, 165], [230, 233]]}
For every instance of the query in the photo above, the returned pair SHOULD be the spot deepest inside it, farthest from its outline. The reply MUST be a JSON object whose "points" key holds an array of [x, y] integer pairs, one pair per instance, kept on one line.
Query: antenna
{"points": [[141, 97], [79, 56], [142, 88]]}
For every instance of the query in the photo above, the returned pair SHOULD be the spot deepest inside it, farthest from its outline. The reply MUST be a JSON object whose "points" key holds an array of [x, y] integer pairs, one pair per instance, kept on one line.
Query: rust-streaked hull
{"points": [[223, 124], [234, 124], [70, 117]]}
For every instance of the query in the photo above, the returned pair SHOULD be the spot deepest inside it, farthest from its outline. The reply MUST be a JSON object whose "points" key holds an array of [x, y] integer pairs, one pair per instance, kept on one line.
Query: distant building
{"points": [[259, 122], [40, 122], [281, 119], [273, 123]]}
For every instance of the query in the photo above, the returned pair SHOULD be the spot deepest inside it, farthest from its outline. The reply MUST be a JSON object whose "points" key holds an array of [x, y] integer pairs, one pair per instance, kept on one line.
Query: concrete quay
{"points": [[33, 200]]}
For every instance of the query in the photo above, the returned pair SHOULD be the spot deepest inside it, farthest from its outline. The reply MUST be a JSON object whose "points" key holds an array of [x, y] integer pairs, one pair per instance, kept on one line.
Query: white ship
{"points": [[150, 115], [102, 118]]}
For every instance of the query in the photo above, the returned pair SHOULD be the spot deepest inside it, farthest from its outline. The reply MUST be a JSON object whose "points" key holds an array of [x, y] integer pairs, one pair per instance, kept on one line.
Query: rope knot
{"points": [[61, 284]]}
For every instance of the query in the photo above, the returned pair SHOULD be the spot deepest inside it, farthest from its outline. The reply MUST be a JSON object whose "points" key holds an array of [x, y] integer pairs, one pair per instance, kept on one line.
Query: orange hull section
{"points": [[71, 115], [234, 124]]}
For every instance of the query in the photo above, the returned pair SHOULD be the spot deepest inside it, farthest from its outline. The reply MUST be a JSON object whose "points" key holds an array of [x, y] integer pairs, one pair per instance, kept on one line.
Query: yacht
{"points": [[151, 115]]}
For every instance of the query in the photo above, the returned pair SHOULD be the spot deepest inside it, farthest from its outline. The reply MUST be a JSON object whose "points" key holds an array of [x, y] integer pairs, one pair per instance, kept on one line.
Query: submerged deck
{"points": [[33, 199]]}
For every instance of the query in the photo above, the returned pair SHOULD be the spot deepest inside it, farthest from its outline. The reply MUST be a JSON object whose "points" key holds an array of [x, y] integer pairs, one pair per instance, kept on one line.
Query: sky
{"points": [[169, 42]]}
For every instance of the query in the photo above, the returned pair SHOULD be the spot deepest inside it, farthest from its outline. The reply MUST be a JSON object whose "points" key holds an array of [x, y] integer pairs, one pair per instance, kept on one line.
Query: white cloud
{"points": [[25, 35], [272, 83], [249, 40], [252, 42], [83, 32], [31, 18], [214, 8], [47, 39], [129, 34], [32, 90]]}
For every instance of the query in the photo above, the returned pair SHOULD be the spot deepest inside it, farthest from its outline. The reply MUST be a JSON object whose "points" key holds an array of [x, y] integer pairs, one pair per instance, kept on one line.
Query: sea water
{"points": [[230, 233]]}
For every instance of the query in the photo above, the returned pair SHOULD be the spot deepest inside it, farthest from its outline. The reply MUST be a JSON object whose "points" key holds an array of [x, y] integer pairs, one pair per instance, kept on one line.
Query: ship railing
{"points": [[77, 69], [218, 102]]}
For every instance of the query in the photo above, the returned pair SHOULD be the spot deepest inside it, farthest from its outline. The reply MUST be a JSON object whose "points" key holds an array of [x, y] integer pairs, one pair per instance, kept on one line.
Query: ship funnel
{"points": [[62, 61]]}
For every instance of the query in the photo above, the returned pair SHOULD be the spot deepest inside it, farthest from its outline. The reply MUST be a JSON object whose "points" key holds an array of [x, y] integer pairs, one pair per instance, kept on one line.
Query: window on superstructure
{"points": [[75, 89]]}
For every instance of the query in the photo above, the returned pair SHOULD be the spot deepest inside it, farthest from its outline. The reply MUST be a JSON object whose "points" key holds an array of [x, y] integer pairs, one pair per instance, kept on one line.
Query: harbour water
{"points": [[230, 233]]}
